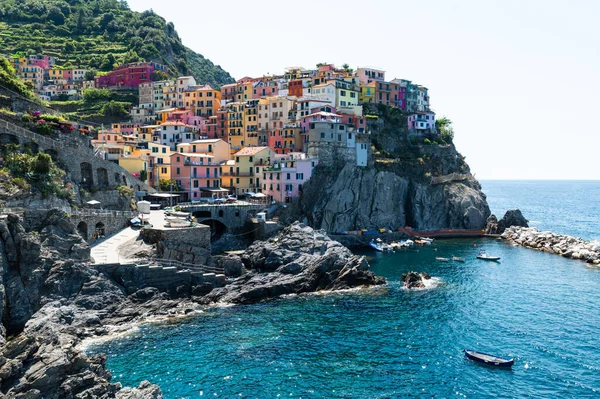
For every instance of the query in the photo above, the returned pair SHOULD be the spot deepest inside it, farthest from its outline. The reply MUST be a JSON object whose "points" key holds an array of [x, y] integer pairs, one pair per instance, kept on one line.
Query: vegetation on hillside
{"points": [[98, 35], [10, 80], [24, 172]]}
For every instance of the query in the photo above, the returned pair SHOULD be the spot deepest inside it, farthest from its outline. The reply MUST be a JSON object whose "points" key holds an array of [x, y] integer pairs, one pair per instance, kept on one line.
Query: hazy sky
{"points": [[519, 78]]}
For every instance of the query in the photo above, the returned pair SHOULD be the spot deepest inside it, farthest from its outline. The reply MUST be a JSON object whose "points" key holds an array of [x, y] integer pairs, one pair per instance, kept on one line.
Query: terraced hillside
{"points": [[99, 34]]}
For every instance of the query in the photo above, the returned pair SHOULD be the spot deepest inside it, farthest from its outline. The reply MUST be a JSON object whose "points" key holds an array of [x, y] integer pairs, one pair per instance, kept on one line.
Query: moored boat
{"points": [[490, 360], [484, 256], [458, 259], [380, 246], [441, 259]]}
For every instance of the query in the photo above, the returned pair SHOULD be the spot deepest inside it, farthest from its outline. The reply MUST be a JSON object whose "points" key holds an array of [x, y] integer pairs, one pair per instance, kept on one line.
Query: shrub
{"points": [[21, 183]]}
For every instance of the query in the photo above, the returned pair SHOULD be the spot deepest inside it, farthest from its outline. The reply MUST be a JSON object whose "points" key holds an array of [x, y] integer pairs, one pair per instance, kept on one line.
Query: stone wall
{"points": [[176, 282], [191, 245]]}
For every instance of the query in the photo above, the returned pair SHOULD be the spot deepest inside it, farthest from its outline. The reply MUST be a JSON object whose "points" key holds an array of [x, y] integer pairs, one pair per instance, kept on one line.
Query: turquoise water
{"points": [[391, 343]]}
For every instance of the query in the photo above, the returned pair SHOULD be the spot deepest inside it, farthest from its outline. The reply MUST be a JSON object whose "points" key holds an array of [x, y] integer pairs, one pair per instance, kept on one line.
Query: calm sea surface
{"points": [[392, 343]]}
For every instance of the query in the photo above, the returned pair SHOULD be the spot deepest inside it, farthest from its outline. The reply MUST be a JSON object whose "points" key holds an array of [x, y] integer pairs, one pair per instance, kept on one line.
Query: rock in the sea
{"points": [[511, 218], [297, 260], [414, 279], [144, 391]]}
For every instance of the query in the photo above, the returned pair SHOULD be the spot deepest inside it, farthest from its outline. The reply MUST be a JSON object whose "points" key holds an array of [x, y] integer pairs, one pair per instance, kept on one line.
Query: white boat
{"points": [[380, 246], [410, 243], [458, 259], [440, 259], [425, 240], [484, 256]]}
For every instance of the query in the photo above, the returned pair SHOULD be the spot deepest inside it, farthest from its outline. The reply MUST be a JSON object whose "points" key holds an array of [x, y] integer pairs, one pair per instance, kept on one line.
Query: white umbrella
{"points": [[93, 202], [260, 195]]}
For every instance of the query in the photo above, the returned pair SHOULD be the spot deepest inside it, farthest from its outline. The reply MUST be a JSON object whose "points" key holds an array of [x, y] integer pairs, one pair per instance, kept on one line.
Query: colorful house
{"points": [[129, 75], [248, 165], [284, 178], [422, 123]]}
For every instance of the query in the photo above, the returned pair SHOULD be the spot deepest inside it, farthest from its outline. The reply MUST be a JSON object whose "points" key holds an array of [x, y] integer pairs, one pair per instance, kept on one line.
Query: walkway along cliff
{"points": [[409, 181]]}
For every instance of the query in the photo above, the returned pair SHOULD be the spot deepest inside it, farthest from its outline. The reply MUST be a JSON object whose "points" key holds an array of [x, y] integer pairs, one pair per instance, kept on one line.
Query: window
{"points": [[278, 188], [237, 180], [250, 159], [164, 150], [299, 176], [288, 187], [288, 176], [322, 135], [195, 183], [251, 181], [178, 171]]}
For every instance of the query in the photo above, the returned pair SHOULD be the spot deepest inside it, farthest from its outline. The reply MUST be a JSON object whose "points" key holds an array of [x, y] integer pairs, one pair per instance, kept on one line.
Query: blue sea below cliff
{"points": [[540, 309]]}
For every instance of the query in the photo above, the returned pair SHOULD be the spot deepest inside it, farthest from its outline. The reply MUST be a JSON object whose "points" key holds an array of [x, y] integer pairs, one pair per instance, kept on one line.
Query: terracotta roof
{"points": [[250, 151]]}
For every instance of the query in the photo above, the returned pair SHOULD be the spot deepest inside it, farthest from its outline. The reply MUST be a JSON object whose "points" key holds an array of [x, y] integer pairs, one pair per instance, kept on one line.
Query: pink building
{"points": [[195, 172], [129, 75], [42, 61], [422, 123], [358, 121], [275, 141], [368, 75], [264, 89], [126, 128], [284, 178]]}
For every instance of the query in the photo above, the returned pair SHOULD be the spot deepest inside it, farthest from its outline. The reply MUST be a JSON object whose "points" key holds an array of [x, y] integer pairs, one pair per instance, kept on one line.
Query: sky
{"points": [[518, 78]]}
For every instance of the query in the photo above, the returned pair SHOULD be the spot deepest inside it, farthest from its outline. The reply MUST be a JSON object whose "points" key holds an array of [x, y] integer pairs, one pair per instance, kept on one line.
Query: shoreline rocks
{"points": [[563, 245], [54, 303]]}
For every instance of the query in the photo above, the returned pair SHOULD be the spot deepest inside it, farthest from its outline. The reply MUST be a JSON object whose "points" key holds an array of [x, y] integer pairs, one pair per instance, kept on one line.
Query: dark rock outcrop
{"points": [[53, 303], [511, 218], [297, 260], [355, 198], [414, 279]]}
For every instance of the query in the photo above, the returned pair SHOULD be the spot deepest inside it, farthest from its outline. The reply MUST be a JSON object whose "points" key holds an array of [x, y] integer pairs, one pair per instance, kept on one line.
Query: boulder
{"points": [[512, 218], [414, 280]]}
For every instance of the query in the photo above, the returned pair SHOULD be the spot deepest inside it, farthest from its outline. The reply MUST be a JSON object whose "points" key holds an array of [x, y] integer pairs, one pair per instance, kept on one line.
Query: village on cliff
{"points": [[258, 135]]}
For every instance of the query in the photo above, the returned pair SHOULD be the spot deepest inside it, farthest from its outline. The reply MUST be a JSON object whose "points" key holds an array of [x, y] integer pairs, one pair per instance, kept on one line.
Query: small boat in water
{"points": [[490, 360], [484, 256], [380, 246], [458, 259], [426, 240], [439, 258]]}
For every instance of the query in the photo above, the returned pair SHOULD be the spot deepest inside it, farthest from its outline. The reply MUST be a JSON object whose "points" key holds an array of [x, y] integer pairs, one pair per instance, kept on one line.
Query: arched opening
{"points": [[31, 147], [6, 138], [82, 229], [124, 179], [100, 231], [137, 188], [53, 154], [87, 175], [221, 213], [217, 229], [102, 177], [118, 178], [202, 214]]}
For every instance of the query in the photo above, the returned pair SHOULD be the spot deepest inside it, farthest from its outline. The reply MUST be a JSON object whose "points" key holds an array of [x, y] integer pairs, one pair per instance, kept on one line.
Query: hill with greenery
{"points": [[98, 35], [10, 80]]}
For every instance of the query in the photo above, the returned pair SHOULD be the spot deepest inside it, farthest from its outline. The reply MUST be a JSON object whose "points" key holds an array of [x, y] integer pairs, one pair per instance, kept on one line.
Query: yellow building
{"points": [[144, 133], [235, 125], [248, 164], [292, 139], [367, 93], [251, 123], [55, 74], [134, 164], [205, 101]]}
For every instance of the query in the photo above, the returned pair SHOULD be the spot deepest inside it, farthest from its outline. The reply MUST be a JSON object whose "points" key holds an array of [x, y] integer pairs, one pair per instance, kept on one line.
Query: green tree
{"points": [[165, 184], [444, 129], [143, 175], [56, 16], [42, 164], [159, 75]]}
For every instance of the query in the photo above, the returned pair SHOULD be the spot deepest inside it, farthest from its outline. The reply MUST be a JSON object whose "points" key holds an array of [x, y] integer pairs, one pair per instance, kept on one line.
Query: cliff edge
{"points": [[411, 180]]}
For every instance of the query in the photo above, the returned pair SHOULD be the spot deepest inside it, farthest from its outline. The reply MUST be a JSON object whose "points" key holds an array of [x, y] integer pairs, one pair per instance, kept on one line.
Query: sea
{"points": [[540, 309]]}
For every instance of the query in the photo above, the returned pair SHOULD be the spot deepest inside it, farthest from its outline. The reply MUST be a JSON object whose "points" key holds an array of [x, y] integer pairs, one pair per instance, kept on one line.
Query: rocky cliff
{"points": [[354, 198], [51, 299]]}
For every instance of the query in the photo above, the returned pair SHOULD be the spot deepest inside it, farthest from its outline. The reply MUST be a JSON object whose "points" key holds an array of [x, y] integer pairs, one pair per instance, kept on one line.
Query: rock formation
{"points": [[364, 198], [567, 246], [297, 260], [511, 218], [54, 299], [414, 279]]}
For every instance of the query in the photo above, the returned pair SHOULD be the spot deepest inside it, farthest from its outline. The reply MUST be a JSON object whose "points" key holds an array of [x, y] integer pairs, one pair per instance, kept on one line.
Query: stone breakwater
{"points": [[563, 245], [52, 301]]}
